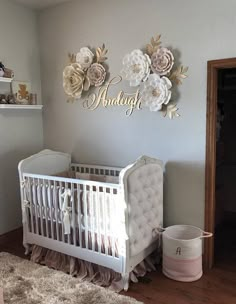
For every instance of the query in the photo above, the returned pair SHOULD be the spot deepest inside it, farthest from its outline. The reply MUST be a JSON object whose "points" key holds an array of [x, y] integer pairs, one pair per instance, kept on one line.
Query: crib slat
{"points": [[68, 235], [40, 207], [35, 203], [50, 207], [27, 212], [109, 219], [61, 212], [85, 209], [45, 207], [73, 214], [79, 214], [113, 219], [92, 217], [55, 203], [98, 218], [104, 219], [31, 207], [120, 211]]}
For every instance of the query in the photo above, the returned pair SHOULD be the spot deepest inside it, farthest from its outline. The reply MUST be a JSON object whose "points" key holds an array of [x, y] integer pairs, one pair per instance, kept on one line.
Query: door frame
{"points": [[210, 168]]}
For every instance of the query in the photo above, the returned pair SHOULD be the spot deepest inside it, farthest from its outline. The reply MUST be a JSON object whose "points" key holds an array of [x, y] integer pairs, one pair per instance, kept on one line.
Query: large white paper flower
{"points": [[162, 61], [136, 67], [84, 58], [155, 92], [75, 80]]}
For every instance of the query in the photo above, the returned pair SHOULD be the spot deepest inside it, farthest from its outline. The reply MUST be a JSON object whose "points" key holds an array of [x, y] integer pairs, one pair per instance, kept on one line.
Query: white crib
{"points": [[111, 224]]}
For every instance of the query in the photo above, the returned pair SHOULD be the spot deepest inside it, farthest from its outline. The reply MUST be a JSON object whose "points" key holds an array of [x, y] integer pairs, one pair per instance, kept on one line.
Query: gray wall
{"points": [[197, 31], [21, 131]]}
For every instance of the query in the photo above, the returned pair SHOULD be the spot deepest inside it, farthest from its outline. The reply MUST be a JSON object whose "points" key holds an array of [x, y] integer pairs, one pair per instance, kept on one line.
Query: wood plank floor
{"points": [[217, 286]]}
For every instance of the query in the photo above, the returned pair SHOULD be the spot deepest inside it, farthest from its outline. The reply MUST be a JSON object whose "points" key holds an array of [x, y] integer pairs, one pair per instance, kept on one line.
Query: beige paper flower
{"points": [[162, 61], [96, 74], [84, 58], [75, 80]]}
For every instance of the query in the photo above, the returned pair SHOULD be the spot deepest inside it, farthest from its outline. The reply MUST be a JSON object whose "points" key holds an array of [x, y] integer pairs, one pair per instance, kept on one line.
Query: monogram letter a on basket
{"points": [[152, 72]]}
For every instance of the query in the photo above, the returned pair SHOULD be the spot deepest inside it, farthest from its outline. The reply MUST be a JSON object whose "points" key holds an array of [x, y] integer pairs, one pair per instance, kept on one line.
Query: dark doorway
{"points": [[225, 196], [214, 69]]}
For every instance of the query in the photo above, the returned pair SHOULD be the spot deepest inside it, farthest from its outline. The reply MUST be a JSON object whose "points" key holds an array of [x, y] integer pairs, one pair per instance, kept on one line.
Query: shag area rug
{"points": [[24, 282]]}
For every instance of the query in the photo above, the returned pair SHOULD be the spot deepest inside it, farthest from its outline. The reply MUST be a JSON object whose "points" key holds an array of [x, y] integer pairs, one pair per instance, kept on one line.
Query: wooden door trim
{"points": [[210, 171]]}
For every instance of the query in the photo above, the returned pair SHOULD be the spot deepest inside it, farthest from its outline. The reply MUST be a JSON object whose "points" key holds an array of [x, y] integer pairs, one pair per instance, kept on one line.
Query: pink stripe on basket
{"points": [[1, 296], [182, 270]]}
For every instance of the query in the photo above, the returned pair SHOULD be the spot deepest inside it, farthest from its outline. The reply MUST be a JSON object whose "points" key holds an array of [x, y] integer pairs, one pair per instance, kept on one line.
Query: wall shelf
{"points": [[5, 79], [21, 107]]}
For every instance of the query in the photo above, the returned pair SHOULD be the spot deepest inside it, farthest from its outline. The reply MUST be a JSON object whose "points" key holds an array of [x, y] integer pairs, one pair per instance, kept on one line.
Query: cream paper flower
{"points": [[162, 61], [75, 80], [156, 92], [84, 58], [136, 67], [96, 74]]}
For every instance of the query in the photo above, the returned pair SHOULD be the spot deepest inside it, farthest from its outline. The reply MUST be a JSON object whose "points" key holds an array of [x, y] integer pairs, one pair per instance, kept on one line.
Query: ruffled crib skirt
{"points": [[91, 272]]}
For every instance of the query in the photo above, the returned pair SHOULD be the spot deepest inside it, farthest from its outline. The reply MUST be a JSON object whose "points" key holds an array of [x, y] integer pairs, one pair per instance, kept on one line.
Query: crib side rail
{"points": [[94, 169], [87, 215], [69, 180]]}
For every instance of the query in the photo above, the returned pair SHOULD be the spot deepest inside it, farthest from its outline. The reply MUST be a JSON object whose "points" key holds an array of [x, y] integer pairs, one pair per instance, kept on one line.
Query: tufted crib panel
{"points": [[144, 198]]}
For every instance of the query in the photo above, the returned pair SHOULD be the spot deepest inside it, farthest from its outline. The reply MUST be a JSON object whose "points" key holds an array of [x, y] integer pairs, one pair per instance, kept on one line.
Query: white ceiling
{"points": [[40, 4]]}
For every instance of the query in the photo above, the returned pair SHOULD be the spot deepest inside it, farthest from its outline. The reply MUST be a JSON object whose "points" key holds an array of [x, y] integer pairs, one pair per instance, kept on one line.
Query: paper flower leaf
{"points": [[101, 54], [170, 110], [179, 74], [154, 45], [72, 58]]}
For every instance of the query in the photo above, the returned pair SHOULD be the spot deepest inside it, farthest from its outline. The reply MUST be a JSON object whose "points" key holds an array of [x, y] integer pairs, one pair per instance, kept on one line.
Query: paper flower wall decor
{"points": [[154, 72], [85, 70]]}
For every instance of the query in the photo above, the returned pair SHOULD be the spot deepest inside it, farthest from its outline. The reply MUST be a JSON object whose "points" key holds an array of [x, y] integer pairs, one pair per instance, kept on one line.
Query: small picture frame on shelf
{"points": [[22, 91]]}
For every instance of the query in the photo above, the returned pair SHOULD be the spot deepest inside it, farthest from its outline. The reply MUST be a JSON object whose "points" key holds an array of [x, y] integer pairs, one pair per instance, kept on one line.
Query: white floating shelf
{"points": [[21, 107], [5, 79]]}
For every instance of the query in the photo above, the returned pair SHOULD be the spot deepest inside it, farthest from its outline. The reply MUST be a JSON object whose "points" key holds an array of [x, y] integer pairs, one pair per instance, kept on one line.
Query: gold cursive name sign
{"points": [[132, 101]]}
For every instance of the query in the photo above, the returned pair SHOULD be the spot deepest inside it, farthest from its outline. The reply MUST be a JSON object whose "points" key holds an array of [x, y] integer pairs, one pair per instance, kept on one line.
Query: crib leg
{"points": [[125, 277], [27, 248]]}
